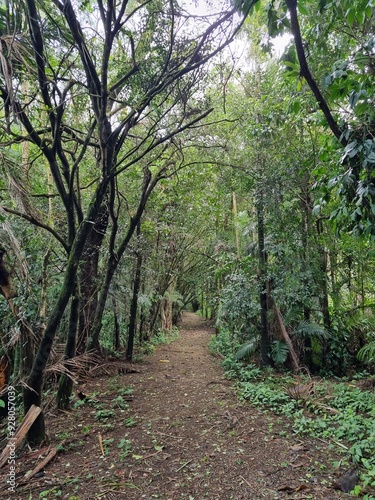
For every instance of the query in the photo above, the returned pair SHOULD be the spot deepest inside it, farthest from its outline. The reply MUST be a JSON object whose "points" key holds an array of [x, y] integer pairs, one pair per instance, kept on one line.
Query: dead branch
{"points": [[20, 434]]}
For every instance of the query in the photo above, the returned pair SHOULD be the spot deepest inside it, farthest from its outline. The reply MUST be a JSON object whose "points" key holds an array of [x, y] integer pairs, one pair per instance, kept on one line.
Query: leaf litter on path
{"points": [[190, 438]]}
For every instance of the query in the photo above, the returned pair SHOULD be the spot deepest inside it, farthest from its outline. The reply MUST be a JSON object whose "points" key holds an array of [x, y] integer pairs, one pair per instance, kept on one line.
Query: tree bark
{"points": [[33, 391], [264, 334], [134, 303], [116, 326], [114, 258], [88, 277], [66, 384], [286, 337]]}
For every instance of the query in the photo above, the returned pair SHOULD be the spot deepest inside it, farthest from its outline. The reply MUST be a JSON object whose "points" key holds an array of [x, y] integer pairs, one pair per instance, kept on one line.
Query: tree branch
{"points": [[305, 72], [38, 223]]}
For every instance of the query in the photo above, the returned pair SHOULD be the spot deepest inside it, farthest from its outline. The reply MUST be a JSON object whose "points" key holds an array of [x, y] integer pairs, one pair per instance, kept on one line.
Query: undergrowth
{"points": [[160, 337], [337, 412]]}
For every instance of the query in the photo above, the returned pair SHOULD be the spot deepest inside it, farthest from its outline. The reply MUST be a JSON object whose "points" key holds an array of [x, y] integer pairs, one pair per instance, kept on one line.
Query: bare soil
{"points": [[184, 435]]}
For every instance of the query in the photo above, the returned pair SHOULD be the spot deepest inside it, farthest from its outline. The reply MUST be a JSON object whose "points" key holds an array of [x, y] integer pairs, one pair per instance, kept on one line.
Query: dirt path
{"points": [[185, 436]]}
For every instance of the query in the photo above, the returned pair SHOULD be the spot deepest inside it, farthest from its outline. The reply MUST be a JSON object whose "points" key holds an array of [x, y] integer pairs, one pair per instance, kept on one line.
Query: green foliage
{"points": [[130, 422], [239, 309], [126, 446], [119, 402], [165, 337], [104, 414], [308, 330], [335, 412], [247, 351], [51, 493], [159, 338], [267, 395], [279, 352], [367, 354], [348, 420]]}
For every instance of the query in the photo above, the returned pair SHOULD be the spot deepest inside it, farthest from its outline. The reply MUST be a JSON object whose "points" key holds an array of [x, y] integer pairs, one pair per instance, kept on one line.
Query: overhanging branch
{"points": [[305, 72]]}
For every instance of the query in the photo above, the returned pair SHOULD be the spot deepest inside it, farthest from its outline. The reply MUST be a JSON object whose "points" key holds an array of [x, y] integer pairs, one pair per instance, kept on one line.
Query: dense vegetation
{"points": [[147, 167]]}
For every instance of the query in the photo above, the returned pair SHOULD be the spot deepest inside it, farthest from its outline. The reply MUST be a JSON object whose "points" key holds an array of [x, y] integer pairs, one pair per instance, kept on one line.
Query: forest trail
{"points": [[188, 438]]}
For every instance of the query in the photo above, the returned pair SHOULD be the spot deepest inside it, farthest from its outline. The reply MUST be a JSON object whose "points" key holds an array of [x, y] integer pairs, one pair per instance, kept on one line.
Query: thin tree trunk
{"points": [[264, 335], [43, 294], [66, 384], [134, 302], [305, 224], [116, 326], [286, 337], [324, 301], [115, 257], [236, 228]]}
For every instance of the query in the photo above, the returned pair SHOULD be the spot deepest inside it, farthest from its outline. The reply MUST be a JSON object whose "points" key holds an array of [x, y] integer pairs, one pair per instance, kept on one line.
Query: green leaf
{"points": [[279, 352], [361, 16], [247, 350], [294, 107], [316, 210], [368, 12], [302, 9], [350, 16], [306, 329]]}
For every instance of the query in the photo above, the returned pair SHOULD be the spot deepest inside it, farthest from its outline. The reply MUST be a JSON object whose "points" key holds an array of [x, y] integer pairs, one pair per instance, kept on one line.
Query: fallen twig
{"points": [[41, 465], [247, 482], [184, 465], [150, 455], [101, 443]]}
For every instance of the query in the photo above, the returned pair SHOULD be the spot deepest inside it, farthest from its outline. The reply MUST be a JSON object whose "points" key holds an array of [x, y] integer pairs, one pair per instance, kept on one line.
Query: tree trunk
{"points": [[116, 326], [66, 384], [236, 228], [166, 314], [264, 334], [286, 337], [324, 301], [88, 277], [33, 390], [134, 302], [114, 258], [306, 207]]}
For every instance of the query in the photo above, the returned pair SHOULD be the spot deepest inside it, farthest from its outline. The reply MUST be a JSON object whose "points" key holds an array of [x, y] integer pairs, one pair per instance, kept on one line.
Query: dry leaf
{"points": [[298, 447]]}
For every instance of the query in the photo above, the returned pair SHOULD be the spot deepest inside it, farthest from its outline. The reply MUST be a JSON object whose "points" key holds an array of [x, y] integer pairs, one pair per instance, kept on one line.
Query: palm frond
{"points": [[306, 329], [10, 241], [367, 353], [246, 351]]}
